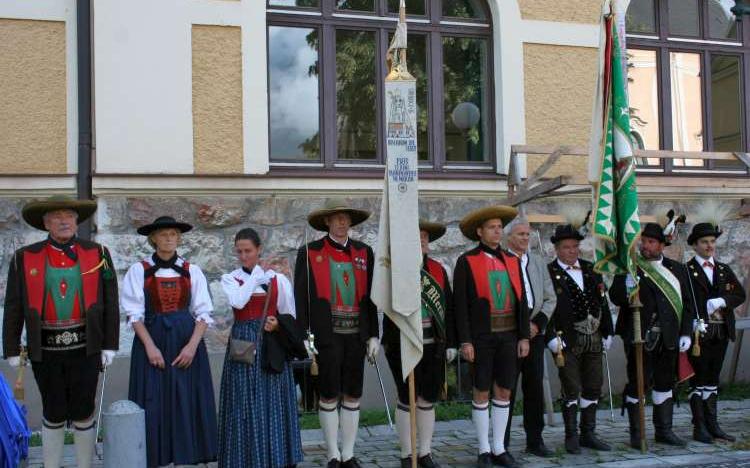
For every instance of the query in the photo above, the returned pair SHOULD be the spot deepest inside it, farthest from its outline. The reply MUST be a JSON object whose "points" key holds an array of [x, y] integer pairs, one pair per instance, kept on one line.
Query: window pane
{"points": [[293, 82], [726, 108], [641, 17], [416, 59], [464, 9], [644, 101], [356, 94], [361, 5], [684, 19], [295, 3], [466, 99], [413, 7], [687, 106], [722, 23]]}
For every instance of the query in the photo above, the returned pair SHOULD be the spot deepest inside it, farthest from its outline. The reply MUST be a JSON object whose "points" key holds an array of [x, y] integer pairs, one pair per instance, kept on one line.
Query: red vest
{"points": [[481, 265], [166, 295], [253, 310], [321, 270]]}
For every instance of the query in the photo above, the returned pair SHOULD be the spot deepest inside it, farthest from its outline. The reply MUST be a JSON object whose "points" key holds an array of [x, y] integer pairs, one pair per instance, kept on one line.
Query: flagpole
{"points": [[635, 304], [413, 419]]}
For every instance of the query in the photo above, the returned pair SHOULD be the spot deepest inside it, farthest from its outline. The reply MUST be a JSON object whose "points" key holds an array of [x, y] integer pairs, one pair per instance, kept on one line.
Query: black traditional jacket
{"points": [[725, 286]]}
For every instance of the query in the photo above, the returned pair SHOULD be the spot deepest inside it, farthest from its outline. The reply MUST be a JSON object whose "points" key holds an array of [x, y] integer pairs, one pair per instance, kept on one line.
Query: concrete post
{"points": [[124, 435]]}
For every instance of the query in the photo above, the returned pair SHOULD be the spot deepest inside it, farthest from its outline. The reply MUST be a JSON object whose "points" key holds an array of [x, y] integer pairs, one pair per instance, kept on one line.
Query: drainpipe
{"points": [[85, 137]]}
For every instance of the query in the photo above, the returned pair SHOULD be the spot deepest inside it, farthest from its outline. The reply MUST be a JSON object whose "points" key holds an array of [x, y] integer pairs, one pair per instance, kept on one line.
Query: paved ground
{"points": [[454, 444]]}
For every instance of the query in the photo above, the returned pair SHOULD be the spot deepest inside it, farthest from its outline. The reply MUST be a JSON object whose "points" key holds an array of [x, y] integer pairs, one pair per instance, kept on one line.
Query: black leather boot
{"points": [[712, 421], [570, 414], [588, 430], [663, 424], [700, 432], [635, 425]]}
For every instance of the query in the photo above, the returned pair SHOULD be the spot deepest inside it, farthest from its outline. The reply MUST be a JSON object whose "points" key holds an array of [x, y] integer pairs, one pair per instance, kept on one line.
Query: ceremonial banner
{"points": [[616, 225], [396, 285]]}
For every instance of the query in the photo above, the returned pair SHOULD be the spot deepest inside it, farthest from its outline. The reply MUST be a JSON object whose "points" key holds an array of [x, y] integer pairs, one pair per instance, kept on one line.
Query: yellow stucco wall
{"points": [[559, 93], [217, 100], [569, 11], [33, 126]]}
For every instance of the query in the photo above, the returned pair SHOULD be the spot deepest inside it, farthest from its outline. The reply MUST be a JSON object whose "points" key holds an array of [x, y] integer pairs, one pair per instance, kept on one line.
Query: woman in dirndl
{"points": [[258, 424], [167, 303]]}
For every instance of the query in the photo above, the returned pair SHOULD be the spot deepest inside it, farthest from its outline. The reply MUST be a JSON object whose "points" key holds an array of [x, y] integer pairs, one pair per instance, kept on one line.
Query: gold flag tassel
{"points": [[18, 388]]}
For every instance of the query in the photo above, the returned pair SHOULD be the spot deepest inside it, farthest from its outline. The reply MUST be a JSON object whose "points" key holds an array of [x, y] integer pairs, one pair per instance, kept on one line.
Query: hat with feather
{"points": [[665, 229], [576, 228], [709, 216]]}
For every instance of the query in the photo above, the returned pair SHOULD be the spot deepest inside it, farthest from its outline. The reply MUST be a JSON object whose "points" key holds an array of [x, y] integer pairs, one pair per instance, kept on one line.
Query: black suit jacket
{"points": [[102, 317], [284, 344], [473, 312], [654, 302], [725, 286], [563, 317], [315, 312]]}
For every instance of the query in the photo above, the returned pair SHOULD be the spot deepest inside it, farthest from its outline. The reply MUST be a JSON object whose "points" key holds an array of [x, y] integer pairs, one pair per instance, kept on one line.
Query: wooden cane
{"points": [[413, 419], [18, 389]]}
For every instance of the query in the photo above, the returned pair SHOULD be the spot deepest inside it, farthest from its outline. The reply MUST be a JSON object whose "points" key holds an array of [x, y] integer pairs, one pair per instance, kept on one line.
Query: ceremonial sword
{"points": [[609, 386], [374, 362], [99, 416]]}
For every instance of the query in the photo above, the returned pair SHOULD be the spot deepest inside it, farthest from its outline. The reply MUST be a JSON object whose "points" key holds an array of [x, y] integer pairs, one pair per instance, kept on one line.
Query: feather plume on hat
{"points": [[713, 212], [669, 224], [578, 217]]}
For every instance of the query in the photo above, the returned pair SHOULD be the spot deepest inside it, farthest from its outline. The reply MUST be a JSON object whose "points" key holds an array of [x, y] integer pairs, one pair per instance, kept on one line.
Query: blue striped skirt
{"points": [[258, 424]]}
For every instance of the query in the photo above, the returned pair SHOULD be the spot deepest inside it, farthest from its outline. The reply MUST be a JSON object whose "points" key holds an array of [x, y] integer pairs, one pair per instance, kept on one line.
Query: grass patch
{"points": [[36, 439]]}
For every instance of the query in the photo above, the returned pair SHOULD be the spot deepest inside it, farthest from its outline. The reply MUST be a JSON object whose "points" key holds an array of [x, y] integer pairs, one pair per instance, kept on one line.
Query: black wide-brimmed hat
{"points": [[434, 230], [476, 218], [565, 231], [654, 231], [317, 218], [33, 212], [164, 222], [703, 230]]}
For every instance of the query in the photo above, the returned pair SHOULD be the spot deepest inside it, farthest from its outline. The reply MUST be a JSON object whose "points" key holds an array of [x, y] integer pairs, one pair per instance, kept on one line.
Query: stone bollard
{"points": [[124, 435]]}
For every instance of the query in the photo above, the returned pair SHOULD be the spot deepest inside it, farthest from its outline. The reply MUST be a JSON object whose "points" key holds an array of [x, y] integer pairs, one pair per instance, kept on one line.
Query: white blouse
{"points": [[239, 295], [132, 297]]}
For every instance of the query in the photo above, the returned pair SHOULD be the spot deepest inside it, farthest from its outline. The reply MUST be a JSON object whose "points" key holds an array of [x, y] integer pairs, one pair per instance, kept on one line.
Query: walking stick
{"points": [[609, 386], [374, 362], [99, 415], [635, 303], [412, 419], [18, 389]]}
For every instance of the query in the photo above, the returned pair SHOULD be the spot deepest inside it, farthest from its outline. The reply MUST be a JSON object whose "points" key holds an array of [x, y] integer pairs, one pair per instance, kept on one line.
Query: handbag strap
{"points": [[265, 310]]}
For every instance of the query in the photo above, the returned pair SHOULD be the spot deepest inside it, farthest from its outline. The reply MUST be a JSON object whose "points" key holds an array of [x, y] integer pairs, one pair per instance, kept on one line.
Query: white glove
{"points": [[373, 346], [699, 326], [553, 345], [715, 304], [310, 351], [629, 281], [107, 357], [450, 354], [14, 361], [607, 343], [685, 342]]}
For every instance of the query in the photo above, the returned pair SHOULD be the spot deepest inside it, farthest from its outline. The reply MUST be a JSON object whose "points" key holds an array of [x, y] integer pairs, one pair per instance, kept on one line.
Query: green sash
{"points": [[665, 281], [433, 304]]}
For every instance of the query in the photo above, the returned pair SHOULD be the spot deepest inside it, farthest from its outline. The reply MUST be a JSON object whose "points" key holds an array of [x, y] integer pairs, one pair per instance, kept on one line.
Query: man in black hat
{"points": [[429, 374], [580, 329], [64, 290], [492, 325], [332, 282], [717, 294], [666, 322]]}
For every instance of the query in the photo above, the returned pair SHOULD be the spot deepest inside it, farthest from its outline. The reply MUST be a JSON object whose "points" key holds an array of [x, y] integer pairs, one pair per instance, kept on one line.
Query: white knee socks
{"points": [[349, 426], [425, 428], [84, 434], [500, 411], [404, 430], [53, 438], [329, 422], [660, 397], [480, 414]]}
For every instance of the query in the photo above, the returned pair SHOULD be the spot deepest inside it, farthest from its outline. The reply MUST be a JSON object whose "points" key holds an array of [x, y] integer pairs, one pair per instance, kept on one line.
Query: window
{"points": [[326, 69], [687, 81]]}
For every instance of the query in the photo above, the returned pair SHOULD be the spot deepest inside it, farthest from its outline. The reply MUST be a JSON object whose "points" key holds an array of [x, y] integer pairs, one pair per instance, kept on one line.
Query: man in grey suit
{"points": [[542, 299]]}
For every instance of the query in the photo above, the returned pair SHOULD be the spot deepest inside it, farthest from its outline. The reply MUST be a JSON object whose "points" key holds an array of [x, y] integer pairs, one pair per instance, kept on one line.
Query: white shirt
{"points": [[574, 273], [707, 270], [132, 298], [239, 295], [526, 283]]}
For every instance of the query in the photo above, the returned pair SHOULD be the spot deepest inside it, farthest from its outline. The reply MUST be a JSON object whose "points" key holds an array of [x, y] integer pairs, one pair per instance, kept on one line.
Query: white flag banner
{"points": [[396, 285]]}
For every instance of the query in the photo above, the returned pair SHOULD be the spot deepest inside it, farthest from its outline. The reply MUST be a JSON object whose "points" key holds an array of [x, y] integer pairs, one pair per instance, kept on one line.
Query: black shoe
{"points": [[504, 459], [588, 430], [351, 463], [333, 463], [663, 424], [484, 460], [570, 414], [635, 424], [406, 462], [700, 432], [540, 450], [427, 461], [712, 419]]}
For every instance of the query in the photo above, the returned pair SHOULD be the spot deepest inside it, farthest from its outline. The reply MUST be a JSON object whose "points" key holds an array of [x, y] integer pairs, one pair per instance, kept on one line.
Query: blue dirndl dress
{"points": [[179, 403], [258, 425]]}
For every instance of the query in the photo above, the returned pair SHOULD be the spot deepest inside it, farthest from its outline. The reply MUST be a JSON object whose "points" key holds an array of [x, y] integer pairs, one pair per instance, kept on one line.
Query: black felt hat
{"points": [[434, 230], [33, 212], [164, 222], [565, 231], [654, 231], [703, 230]]}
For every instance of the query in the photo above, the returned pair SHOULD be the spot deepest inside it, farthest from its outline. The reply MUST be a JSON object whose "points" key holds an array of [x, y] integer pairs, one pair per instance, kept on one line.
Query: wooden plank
{"points": [[743, 157], [558, 218], [547, 149], [663, 154], [541, 170], [540, 189]]}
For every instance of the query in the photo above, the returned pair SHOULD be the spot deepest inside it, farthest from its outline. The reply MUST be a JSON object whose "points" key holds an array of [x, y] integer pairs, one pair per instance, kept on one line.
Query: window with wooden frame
{"points": [[688, 68], [326, 69]]}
